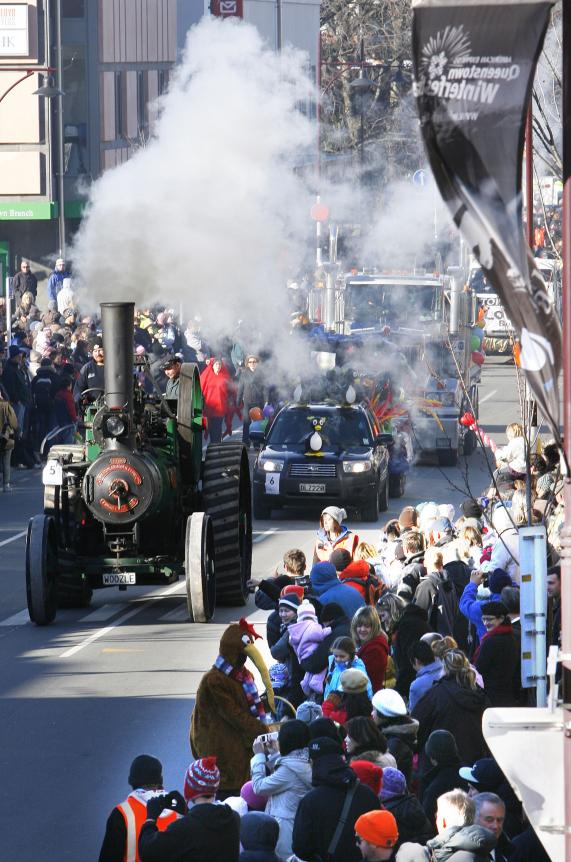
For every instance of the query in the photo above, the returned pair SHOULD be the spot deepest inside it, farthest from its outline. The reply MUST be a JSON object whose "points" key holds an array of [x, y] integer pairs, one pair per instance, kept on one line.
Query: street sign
{"points": [[319, 212], [419, 178]]}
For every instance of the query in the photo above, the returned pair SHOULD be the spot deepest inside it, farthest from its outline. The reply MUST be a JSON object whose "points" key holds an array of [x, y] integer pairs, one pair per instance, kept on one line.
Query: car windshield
{"points": [[367, 305], [339, 428]]}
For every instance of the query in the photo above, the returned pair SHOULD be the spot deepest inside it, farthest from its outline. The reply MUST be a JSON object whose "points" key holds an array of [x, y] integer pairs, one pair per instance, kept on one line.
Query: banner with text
{"points": [[474, 64], [227, 8]]}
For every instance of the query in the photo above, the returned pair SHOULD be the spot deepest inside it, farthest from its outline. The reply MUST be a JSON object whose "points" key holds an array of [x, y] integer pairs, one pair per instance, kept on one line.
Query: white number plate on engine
{"points": [[52, 474], [312, 488], [119, 579]]}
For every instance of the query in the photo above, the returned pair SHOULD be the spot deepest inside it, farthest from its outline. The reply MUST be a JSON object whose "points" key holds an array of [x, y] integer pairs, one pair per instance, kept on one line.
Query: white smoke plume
{"points": [[210, 213]]}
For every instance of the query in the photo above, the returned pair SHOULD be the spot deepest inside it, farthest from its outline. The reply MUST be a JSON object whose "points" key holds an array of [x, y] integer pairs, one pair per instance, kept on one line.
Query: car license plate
{"points": [[312, 488], [119, 579]]}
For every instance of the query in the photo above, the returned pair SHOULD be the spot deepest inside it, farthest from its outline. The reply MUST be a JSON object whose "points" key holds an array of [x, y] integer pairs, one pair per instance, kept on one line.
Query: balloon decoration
{"points": [[478, 357], [268, 410], [481, 316], [255, 414], [474, 343], [468, 421]]}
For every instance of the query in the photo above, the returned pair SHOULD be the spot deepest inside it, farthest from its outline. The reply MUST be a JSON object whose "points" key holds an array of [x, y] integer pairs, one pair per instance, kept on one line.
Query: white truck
{"points": [[428, 318]]}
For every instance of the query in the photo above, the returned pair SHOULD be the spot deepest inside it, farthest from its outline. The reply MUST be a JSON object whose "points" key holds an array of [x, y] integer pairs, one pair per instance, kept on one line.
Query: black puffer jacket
{"points": [[412, 822], [449, 706], [409, 629], [440, 779], [320, 809]]}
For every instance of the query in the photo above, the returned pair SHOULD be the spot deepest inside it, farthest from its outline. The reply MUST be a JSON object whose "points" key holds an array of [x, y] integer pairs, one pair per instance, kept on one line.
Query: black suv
{"points": [[322, 454]]}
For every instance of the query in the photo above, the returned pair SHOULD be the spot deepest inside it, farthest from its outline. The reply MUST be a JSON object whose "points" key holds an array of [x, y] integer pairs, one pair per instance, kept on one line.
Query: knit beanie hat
{"points": [[254, 801], [336, 513], [379, 828], [145, 770], [471, 508], [368, 773], [353, 681], [293, 590], [279, 674], [202, 778], [293, 735], [394, 783], [388, 702], [290, 601], [494, 609], [324, 745], [324, 727], [340, 558], [308, 711], [498, 580], [441, 746], [408, 518], [306, 611]]}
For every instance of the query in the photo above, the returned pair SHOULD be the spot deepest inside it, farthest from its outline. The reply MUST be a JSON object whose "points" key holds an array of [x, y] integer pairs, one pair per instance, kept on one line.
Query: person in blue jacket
{"points": [[471, 605], [327, 587]]}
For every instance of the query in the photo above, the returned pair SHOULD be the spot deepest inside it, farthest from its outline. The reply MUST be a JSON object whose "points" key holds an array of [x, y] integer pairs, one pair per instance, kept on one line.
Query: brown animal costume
{"points": [[228, 713]]}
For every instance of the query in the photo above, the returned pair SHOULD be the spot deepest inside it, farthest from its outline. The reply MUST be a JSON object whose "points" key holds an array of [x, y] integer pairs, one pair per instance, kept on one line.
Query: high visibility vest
{"points": [[348, 542], [134, 811]]}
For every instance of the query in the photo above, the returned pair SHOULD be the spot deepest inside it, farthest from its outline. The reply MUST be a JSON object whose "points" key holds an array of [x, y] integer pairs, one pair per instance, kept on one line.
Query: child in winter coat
{"points": [[342, 658], [304, 636]]}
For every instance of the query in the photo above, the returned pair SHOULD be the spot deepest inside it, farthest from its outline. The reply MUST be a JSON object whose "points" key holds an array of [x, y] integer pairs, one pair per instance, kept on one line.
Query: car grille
{"points": [[313, 470]]}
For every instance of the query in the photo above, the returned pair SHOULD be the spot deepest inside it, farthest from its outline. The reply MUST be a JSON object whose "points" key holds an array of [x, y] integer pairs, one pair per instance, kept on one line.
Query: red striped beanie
{"points": [[202, 778]]}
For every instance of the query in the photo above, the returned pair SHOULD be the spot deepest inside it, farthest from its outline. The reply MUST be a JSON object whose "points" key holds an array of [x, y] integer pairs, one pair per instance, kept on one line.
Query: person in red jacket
{"points": [[372, 644], [219, 398]]}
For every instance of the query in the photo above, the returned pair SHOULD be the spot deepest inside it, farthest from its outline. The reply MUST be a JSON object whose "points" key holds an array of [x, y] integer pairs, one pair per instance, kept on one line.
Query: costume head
{"points": [[237, 644]]}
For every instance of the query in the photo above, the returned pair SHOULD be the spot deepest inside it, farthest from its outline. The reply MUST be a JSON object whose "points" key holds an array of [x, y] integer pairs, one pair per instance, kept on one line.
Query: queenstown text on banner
{"points": [[473, 66]]}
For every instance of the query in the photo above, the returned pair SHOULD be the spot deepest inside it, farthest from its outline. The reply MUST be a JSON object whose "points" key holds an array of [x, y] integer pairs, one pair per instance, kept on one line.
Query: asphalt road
{"points": [[82, 697]]}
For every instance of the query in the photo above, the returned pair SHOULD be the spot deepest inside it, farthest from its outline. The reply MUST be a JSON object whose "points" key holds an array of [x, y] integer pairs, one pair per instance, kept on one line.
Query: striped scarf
{"points": [[245, 678]]}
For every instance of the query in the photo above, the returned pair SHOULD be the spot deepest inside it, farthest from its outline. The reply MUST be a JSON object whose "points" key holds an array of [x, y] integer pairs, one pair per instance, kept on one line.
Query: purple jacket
{"points": [[304, 636]]}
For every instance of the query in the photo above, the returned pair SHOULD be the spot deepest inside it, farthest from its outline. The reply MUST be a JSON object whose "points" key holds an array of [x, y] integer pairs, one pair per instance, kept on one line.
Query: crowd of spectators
{"points": [[52, 351], [380, 753]]}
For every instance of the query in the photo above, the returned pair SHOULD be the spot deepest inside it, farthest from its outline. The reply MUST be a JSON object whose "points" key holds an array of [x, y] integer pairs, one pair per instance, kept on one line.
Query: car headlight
{"points": [[356, 466], [272, 466], [114, 426]]}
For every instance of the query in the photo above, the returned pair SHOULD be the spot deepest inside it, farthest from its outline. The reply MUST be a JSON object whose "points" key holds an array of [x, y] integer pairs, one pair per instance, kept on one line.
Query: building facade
{"points": [[116, 58]]}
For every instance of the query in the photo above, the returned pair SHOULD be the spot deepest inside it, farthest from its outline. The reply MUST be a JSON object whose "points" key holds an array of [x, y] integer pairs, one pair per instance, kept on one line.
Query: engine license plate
{"points": [[312, 488], [119, 579]]}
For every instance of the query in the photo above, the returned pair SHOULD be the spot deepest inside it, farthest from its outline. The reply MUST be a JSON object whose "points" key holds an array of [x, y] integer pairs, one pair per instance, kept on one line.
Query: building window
{"points": [[73, 8], [163, 81], [120, 105], [142, 99]]}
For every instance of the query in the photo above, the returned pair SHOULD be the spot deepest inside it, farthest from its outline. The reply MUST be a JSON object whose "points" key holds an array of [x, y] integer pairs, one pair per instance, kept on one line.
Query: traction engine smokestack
{"points": [[118, 320]]}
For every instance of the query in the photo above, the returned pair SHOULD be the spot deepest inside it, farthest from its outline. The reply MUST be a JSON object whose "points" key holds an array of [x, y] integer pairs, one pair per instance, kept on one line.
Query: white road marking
{"points": [[13, 538], [100, 633], [101, 614], [120, 620], [19, 619], [487, 397], [264, 535]]}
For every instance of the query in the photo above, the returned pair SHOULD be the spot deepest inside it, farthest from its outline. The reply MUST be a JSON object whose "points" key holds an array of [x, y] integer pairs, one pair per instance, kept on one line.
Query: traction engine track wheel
{"points": [[227, 499]]}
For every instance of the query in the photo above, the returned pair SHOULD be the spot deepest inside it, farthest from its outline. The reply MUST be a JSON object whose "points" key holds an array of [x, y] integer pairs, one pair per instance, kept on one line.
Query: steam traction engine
{"points": [[136, 504]]}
